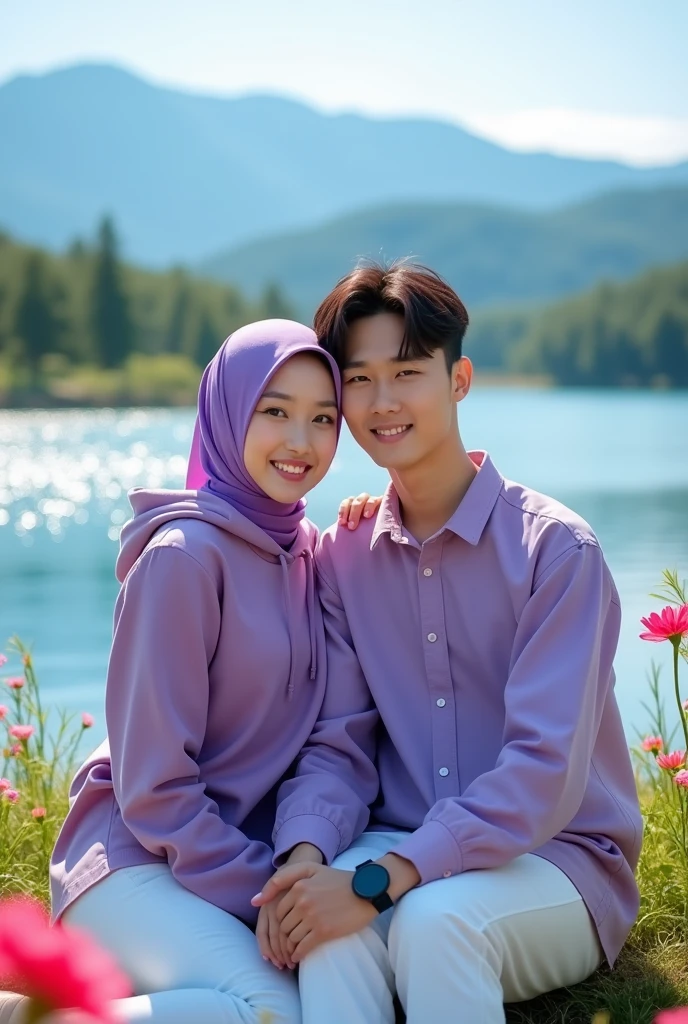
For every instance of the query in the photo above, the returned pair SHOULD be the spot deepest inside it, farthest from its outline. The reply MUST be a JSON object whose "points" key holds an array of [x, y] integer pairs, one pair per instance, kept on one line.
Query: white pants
{"points": [[189, 961], [454, 950]]}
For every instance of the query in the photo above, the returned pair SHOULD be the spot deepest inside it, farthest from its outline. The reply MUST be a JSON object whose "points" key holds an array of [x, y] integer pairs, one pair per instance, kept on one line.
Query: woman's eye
{"points": [[275, 412], [324, 418]]}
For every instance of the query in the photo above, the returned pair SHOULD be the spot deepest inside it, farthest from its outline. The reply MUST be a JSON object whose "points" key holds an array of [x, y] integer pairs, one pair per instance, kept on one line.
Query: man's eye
{"points": [[355, 380], [409, 373]]}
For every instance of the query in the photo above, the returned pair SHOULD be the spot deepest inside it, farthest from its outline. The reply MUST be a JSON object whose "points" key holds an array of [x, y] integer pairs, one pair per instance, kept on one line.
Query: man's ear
{"points": [[461, 378]]}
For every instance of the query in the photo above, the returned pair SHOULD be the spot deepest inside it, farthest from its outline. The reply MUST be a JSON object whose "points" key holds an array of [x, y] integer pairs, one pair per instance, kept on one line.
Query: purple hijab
{"points": [[230, 389]]}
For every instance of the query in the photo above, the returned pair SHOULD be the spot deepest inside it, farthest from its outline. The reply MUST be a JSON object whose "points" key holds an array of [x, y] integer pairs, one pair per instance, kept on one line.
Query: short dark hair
{"points": [[434, 315]]}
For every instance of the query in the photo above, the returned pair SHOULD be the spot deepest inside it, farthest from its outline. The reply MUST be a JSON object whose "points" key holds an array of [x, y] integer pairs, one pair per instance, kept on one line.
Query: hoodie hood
{"points": [[154, 508]]}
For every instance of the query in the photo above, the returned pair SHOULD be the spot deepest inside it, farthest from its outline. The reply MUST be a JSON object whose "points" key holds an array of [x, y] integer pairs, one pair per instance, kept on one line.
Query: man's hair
{"points": [[434, 315]]}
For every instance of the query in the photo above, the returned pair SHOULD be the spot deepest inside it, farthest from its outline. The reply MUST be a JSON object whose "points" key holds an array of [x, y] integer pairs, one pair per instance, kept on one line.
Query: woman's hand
{"points": [[273, 943], [352, 510]]}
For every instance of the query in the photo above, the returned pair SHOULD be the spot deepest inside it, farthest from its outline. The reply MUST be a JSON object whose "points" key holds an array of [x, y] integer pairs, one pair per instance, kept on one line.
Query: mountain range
{"points": [[186, 176], [493, 256]]}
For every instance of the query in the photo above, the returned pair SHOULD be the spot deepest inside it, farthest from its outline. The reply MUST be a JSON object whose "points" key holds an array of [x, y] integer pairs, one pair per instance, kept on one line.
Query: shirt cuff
{"points": [[307, 828], [433, 851]]}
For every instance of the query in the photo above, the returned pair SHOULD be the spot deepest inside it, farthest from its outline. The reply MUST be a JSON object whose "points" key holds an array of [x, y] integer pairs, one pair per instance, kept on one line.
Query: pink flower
{"points": [[22, 732], [87, 720], [681, 778], [59, 967], [38, 812], [679, 1016], [4, 711], [11, 795], [3, 660], [15, 682], [685, 705], [16, 750], [670, 762], [653, 744], [669, 624], [5, 784]]}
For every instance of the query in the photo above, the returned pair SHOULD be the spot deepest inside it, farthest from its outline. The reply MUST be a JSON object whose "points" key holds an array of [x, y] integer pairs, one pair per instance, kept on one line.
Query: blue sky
{"points": [[595, 77]]}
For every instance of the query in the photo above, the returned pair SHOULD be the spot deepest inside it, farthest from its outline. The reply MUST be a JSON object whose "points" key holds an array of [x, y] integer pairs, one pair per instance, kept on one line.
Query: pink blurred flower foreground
{"points": [[653, 744], [59, 967], [670, 762], [3, 660], [4, 711], [22, 732], [11, 796], [669, 624], [38, 812], [681, 778], [87, 720], [679, 1016], [15, 682]]}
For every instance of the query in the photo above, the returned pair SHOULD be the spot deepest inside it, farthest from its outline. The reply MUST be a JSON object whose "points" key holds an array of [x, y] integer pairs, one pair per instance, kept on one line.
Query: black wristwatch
{"points": [[371, 882]]}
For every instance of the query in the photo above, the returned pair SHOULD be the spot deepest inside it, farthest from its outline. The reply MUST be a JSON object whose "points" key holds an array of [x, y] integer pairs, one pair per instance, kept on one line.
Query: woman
{"points": [[215, 680]]}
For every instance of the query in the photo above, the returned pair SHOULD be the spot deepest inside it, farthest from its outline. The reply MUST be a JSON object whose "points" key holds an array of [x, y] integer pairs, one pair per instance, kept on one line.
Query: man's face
{"points": [[398, 411]]}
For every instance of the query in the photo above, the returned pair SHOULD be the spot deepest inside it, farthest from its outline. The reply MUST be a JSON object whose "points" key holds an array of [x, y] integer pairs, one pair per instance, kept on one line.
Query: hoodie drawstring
{"points": [[310, 611]]}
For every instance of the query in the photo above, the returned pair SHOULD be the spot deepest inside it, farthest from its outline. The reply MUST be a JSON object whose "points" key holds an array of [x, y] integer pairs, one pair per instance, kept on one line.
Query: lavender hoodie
{"points": [[217, 670]]}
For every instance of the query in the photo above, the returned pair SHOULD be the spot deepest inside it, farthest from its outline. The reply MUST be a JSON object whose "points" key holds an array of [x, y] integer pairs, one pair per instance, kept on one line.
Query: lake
{"points": [[618, 458]]}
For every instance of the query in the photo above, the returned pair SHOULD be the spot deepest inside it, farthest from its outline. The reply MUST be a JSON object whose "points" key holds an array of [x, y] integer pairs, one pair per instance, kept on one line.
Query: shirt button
{"points": [[444, 772], [441, 702], [447, 874], [427, 572], [432, 637]]}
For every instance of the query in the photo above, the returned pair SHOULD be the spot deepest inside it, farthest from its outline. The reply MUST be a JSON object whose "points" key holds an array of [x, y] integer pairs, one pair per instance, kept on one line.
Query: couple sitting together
{"points": [[389, 756]]}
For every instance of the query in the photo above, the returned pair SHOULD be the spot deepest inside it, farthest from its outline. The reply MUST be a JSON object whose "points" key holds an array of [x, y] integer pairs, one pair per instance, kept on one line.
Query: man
{"points": [[472, 627]]}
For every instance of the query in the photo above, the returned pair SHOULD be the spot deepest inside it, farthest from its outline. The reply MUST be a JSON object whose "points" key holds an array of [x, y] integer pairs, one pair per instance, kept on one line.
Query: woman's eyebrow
{"points": [[328, 404]]}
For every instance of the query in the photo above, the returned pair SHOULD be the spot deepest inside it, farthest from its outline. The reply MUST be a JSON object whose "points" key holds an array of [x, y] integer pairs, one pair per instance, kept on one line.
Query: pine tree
{"points": [[274, 305], [209, 340], [37, 322], [110, 318], [177, 327]]}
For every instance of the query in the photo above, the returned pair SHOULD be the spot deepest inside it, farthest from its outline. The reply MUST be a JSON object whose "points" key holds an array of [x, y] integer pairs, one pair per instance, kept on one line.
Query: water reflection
{"points": [[64, 478]]}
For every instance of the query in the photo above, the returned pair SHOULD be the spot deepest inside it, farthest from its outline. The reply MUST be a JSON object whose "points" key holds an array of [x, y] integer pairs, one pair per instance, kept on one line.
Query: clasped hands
{"points": [[305, 904]]}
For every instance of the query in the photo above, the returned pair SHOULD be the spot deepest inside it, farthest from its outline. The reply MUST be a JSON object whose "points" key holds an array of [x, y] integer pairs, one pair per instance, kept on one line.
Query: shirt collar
{"points": [[470, 518]]}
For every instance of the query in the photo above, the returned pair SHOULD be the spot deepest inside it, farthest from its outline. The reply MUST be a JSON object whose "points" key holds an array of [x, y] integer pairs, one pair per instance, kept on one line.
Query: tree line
{"points": [[126, 334], [88, 308]]}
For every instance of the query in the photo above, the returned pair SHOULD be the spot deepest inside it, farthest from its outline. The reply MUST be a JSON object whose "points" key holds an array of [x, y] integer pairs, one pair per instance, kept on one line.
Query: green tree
{"points": [[178, 326], [110, 318], [274, 305], [209, 340], [37, 321]]}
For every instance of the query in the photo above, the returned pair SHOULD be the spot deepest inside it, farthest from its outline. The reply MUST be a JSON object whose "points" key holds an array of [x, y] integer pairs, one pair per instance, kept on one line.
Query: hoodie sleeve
{"points": [[167, 624], [327, 802]]}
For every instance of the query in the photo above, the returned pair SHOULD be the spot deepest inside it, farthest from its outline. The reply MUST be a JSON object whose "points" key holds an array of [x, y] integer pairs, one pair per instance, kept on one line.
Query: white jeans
{"points": [[189, 961], [456, 949]]}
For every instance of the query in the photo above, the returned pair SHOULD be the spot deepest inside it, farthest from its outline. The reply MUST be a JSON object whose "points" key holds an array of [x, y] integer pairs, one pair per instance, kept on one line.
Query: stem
{"points": [[675, 644]]}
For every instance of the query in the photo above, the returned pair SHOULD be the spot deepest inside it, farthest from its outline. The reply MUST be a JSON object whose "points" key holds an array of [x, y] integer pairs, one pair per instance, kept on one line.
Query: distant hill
{"points": [[492, 256], [185, 176]]}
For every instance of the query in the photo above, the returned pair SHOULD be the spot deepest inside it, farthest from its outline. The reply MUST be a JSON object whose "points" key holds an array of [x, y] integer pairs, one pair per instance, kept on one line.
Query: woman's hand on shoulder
{"points": [[352, 510]]}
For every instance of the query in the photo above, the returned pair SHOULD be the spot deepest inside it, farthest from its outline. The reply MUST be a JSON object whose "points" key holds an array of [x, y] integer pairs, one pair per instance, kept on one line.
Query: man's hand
{"points": [[318, 905], [274, 944]]}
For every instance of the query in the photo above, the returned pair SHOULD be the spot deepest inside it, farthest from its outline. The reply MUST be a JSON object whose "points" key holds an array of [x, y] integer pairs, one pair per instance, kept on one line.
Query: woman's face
{"points": [[292, 436]]}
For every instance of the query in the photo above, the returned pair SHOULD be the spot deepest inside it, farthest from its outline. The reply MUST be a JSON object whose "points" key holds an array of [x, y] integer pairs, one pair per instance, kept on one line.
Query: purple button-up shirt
{"points": [[470, 699]]}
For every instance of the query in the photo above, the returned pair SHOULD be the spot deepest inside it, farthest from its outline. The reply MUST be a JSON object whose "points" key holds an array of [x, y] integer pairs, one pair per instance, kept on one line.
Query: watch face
{"points": [[370, 881]]}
